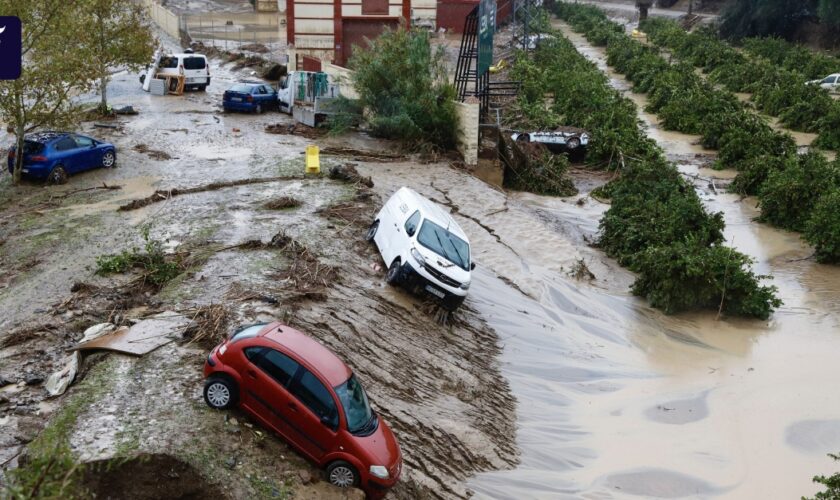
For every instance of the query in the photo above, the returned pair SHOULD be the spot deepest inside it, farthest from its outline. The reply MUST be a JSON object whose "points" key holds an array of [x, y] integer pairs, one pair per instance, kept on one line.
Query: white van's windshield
{"points": [[445, 244]]}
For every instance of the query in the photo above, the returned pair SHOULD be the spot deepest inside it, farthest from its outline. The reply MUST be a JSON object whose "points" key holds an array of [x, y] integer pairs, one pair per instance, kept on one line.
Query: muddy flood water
{"points": [[616, 400], [542, 386]]}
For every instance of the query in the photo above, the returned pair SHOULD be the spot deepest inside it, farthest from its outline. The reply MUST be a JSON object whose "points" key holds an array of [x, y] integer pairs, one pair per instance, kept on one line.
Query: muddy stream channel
{"points": [[616, 400], [542, 386]]}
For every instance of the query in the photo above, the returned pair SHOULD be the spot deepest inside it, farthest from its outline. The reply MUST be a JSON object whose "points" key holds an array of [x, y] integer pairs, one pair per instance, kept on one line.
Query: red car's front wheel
{"points": [[342, 474]]}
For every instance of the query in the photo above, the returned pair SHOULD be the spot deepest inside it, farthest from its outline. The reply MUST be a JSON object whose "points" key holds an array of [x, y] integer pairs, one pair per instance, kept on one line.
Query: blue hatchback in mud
{"points": [[53, 156], [253, 97]]}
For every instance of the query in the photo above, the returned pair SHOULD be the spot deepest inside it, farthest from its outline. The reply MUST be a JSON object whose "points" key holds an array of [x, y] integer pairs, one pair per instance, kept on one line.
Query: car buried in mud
{"points": [[54, 156], [563, 139], [423, 248], [300, 389]]}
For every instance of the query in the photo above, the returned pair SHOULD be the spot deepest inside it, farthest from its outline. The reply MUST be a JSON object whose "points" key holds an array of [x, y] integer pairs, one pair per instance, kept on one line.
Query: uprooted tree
{"points": [[56, 66], [118, 36], [402, 85]]}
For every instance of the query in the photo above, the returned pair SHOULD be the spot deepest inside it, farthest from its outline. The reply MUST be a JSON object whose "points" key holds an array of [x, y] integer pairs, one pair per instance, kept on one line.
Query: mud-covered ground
{"points": [[549, 383], [435, 379]]}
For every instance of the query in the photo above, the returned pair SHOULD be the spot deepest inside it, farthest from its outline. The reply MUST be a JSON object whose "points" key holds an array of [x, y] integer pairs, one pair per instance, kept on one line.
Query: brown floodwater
{"points": [[618, 400]]}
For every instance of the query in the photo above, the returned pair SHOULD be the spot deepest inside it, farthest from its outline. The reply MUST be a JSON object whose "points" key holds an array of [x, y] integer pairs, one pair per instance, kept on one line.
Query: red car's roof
{"points": [[306, 348]]}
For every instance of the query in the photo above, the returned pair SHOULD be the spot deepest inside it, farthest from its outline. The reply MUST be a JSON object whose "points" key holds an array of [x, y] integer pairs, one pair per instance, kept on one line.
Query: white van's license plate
{"points": [[434, 291]]}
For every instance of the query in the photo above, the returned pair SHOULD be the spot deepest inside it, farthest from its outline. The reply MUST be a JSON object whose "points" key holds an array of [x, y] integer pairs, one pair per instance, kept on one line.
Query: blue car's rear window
{"points": [[241, 87], [32, 147]]}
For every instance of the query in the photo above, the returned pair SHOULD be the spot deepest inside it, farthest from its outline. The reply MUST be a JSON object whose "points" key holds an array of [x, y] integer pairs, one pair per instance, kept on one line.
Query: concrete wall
{"points": [[343, 77], [164, 18], [468, 123]]}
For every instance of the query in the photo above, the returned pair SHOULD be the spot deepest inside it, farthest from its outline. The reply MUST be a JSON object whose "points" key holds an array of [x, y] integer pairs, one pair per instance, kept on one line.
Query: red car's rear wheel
{"points": [[220, 393]]}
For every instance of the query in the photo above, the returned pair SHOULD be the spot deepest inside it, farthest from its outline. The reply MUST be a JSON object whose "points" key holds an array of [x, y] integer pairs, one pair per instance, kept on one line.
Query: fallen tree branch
{"points": [[165, 194], [103, 186]]}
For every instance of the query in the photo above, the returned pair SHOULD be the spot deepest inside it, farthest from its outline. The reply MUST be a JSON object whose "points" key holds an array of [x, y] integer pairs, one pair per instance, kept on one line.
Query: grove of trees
{"points": [[744, 18]]}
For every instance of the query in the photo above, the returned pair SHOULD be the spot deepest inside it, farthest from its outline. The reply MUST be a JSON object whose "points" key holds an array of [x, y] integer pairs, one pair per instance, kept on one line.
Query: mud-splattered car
{"points": [[424, 248], [54, 156], [297, 387], [563, 139]]}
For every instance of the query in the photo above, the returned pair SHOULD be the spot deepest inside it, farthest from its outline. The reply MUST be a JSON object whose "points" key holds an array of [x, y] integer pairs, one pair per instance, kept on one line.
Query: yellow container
{"points": [[313, 162]]}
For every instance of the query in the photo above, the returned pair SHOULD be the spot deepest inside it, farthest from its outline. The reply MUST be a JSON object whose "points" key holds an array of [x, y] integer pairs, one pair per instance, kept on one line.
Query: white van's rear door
{"points": [[195, 69]]}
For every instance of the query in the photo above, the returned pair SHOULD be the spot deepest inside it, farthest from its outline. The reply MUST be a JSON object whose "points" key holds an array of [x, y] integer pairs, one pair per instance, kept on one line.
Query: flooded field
{"points": [[543, 386]]}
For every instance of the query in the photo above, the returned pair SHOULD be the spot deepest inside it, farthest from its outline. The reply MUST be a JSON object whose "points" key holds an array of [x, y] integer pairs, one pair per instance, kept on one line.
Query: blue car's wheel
{"points": [[109, 159], [258, 109], [57, 176]]}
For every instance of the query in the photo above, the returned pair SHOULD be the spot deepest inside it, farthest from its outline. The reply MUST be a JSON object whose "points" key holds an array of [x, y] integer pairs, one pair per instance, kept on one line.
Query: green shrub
{"points": [[402, 84], [157, 267], [788, 196], [545, 174], [823, 227], [687, 275], [829, 128], [754, 172], [831, 483], [653, 206]]}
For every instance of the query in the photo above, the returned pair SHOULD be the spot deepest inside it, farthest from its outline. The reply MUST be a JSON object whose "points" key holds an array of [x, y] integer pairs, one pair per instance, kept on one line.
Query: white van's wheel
{"points": [[371, 232], [394, 276]]}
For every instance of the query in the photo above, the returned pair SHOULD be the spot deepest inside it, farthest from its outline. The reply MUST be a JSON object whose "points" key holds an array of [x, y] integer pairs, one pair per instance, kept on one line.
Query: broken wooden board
{"points": [[142, 338]]}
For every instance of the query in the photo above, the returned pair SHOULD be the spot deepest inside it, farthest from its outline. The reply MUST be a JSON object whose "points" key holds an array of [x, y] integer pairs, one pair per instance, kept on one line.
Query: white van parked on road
{"points": [[423, 247], [194, 67]]}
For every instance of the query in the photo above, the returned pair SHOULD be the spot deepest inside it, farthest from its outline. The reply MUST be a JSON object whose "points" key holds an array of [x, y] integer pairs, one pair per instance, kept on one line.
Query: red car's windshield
{"points": [[355, 403]]}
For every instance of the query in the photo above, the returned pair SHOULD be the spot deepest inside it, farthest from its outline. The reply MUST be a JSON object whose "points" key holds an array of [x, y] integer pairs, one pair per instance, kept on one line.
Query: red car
{"points": [[292, 384]]}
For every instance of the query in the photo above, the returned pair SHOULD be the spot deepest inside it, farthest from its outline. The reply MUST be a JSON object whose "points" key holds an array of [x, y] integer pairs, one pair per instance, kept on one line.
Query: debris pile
{"points": [[530, 166], [366, 155], [282, 203], [152, 153], [209, 325], [348, 173], [298, 129], [306, 276]]}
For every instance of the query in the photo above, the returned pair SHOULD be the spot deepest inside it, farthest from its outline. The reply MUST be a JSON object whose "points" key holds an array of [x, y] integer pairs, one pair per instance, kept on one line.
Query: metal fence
{"points": [[233, 31], [224, 31]]}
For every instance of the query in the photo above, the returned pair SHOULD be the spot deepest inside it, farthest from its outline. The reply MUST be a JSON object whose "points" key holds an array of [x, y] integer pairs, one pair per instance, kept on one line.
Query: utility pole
{"points": [[690, 5]]}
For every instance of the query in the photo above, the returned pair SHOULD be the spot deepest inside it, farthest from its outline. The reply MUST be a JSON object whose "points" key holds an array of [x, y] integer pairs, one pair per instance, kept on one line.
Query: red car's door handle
{"points": [[252, 374], [293, 407]]}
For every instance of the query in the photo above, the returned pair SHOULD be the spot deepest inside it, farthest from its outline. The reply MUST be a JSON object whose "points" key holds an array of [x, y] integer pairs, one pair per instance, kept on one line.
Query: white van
{"points": [[194, 67], [423, 247]]}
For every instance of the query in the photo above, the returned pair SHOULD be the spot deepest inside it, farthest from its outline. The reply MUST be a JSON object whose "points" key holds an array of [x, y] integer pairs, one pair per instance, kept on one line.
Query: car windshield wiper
{"points": [[461, 260], [442, 248], [369, 425]]}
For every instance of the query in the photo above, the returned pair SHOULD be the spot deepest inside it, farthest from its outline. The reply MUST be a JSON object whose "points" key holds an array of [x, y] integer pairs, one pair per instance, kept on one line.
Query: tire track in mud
{"points": [[438, 386]]}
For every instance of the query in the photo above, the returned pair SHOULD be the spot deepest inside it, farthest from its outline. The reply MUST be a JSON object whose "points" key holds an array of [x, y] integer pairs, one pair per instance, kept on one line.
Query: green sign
{"points": [[486, 28]]}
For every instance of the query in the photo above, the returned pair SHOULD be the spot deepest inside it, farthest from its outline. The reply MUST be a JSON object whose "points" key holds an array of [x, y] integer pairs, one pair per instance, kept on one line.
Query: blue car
{"points": [[253, 97], [53, 156]]}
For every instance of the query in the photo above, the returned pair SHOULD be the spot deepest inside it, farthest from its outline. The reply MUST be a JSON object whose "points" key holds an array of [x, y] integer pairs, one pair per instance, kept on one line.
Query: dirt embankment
{"points": [[433, 376]]}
